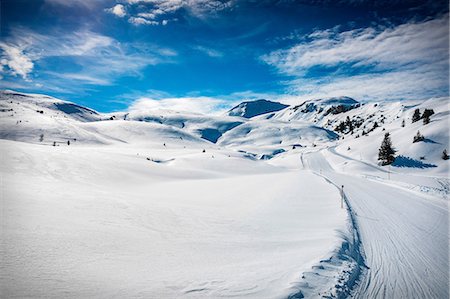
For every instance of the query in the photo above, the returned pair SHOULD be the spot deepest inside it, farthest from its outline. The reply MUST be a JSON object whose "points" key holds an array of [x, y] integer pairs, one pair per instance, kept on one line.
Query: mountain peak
{"points": [[251, 109]]}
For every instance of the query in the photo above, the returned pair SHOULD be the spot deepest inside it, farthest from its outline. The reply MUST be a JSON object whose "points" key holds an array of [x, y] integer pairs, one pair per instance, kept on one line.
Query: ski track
{"points": [[404, 237]]}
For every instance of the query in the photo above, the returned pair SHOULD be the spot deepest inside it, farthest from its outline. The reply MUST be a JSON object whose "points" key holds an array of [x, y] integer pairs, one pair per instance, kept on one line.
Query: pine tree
{"points": [[426, 116], [418, 137], [416, 115], [386, 153], [349, 124], [427, 113], [445, 155], [41, 137]]}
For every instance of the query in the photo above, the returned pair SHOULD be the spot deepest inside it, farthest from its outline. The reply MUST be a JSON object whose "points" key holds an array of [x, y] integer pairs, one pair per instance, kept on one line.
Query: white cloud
{"points": [[99, 58], [410, 60], [118, 10], [13, 60], [391, 47], [202, 105], [82, 78], [142, 21], [91, 5], [159, 12], [208, 51]]}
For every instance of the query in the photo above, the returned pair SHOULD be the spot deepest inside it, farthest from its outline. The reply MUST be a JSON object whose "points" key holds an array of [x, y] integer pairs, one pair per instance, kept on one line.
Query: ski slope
{"points": [[404, 235], [172, 204], [105, 222]]}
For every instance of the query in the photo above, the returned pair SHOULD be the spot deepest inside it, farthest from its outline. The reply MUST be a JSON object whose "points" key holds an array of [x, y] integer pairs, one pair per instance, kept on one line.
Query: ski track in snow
{"points": [[404, 237]]}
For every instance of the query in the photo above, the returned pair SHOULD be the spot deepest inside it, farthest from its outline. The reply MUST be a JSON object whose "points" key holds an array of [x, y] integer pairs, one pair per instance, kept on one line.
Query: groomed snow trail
{"points": [[404, 235]]}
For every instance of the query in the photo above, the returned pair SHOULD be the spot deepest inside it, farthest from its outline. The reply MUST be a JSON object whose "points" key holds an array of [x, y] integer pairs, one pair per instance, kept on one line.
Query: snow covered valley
{"points": [[169, 204]]}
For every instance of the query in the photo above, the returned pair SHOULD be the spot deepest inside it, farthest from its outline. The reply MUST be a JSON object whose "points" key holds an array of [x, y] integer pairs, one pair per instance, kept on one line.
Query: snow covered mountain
{"points": [[251, 109], [248, 205], [26, 117]]}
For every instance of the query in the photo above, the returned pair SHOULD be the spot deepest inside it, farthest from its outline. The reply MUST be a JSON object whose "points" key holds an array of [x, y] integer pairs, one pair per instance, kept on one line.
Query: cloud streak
{"points": [[409, 60], [95, 58], [161, 12]]}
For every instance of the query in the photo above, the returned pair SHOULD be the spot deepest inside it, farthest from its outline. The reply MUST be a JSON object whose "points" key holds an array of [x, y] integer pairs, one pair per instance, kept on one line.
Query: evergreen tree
{"points": [[340, 127], [418, 137], [41, 137], [386, 153], [426, 116], [445, 155], [427, 113], [416, 115], [349, 124]]}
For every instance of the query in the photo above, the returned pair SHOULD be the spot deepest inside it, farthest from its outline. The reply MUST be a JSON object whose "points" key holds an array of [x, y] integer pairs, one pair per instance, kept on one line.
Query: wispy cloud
{"points": [[142, 21], [161, 12], [409, 60], [96, 58], [202, 105], [13, 60], [208, 51]]}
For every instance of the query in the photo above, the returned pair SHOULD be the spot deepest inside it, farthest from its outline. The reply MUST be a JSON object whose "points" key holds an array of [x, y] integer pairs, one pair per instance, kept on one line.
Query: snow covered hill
{"points": [[362, 127], [254, 108], [171, 204]]}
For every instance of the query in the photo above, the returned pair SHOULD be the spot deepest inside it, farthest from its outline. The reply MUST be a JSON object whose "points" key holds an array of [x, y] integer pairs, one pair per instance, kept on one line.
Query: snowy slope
{"points": [[370, 121], [25, 117], [173, 204], [210, 128], [422, 157], [106, 222], [317, 110], [404, 234], [251, 109], [261, 134]]}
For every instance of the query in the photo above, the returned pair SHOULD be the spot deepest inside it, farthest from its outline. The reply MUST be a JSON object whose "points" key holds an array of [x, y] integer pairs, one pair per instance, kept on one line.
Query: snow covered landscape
{"points": [[208, 149], [245, 204]]}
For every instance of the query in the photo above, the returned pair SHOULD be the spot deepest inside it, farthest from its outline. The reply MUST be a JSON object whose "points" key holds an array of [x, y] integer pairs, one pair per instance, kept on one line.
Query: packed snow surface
{"points": [[170, 204]]}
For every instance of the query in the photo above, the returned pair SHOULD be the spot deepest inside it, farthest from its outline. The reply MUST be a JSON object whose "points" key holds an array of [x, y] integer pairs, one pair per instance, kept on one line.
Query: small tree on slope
{"points": [[445, 155], [386, 153], [416, 115], [418, 137], [426, 116]]}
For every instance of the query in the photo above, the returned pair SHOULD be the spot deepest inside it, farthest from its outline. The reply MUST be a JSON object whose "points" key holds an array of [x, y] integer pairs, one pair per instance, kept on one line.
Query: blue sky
{"points": [[205, 55]]}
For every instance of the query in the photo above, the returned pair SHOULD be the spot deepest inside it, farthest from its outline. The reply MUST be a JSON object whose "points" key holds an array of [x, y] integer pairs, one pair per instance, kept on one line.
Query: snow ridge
{"points": [[346, 265]]}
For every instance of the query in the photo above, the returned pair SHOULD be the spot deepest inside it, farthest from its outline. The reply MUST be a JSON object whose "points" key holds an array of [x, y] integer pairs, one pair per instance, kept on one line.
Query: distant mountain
{"points": [[254, 108], [351, 128], [318, 109]]}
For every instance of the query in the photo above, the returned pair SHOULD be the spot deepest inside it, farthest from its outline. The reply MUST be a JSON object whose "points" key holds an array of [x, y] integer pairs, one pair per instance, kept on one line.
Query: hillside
{"points": [[251, 109], [185, 205]]}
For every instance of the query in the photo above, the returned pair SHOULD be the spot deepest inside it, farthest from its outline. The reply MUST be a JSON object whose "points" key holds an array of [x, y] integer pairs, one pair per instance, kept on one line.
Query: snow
{"points": [[254, 108], [171, 204], [404, 236], [102, 222]]}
